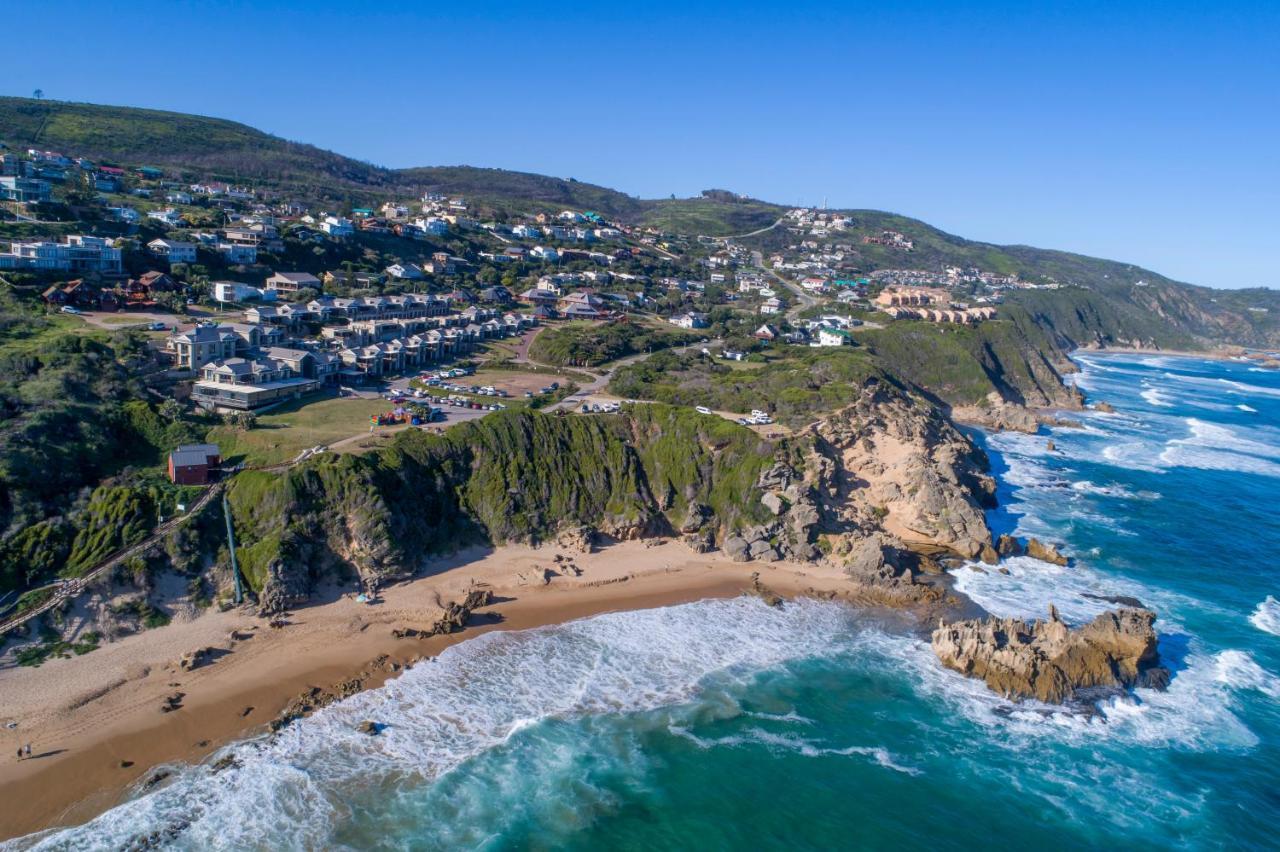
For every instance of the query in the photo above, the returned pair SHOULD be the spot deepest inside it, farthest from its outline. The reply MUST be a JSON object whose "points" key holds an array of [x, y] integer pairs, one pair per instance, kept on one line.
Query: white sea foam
{"points": [[1197, 712], [291, 789], [1248, 408], [1157, 397], [1267, 616], [793, 744]]}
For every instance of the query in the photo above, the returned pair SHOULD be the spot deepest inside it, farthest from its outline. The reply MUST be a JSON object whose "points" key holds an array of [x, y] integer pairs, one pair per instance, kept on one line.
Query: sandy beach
{"points": [[96, 725]]}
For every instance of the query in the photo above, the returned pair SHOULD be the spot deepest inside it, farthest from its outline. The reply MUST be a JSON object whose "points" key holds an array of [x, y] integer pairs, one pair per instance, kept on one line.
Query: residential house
{"points": [[173, 251], [834, 337], [405, 271], [771, 306], [292, 282], [169, 217], [248, 384], [234, 291], [77, 253], [25, 190], [237, 254], [337, 227], [692, 319]]}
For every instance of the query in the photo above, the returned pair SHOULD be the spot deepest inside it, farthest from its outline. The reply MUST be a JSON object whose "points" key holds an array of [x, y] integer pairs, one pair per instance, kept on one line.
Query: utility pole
{"points": [[231, 546]]}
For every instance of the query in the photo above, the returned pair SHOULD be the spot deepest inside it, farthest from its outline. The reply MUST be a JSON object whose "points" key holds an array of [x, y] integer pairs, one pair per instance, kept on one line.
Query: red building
{"points": [[190, 464]]}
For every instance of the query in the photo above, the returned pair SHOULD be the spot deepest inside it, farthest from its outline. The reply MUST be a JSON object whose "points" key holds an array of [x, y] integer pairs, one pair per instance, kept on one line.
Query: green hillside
{"points": [[1139, 305]]}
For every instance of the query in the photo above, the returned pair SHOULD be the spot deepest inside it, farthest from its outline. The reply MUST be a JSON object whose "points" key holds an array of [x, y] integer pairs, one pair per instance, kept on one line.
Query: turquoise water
{"points": [[729, 725]]}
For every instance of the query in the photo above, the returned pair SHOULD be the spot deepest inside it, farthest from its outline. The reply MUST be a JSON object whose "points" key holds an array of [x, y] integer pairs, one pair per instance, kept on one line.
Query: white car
{"points": [[67, 309], [702, 409]]}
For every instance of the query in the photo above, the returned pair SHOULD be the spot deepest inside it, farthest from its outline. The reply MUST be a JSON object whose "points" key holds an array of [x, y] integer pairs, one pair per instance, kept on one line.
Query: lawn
{"points": [[282, 433]]}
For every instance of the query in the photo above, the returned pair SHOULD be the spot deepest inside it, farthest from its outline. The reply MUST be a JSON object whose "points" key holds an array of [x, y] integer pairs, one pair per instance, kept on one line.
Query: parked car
{"points": [[702, 409], [158, 326], [67, 309]]}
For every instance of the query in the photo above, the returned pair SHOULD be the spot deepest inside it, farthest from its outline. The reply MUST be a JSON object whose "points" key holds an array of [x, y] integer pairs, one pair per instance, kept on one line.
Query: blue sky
{"points": [[1147, 132]]}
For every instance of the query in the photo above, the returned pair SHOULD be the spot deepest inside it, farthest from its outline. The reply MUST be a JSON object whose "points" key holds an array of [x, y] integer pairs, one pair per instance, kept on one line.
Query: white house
{"points": [[689, 320], [433, 225], [178, 197], [771, 306], [169, 217], [337, 226], [526, 232], [407, 271], [173, 251], [124, 214], [834, 337], [234, 291], [546, 253]]}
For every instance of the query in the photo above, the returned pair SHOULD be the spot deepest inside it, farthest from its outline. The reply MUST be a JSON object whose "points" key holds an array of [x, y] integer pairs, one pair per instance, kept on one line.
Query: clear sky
{"points": [[1146, 132]]}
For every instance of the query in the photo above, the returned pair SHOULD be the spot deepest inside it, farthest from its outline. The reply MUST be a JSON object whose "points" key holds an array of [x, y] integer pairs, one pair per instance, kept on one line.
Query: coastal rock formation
{"points": [[580, 538], [195, 659], [1037, 549], [894, 464], [1051, 662]]}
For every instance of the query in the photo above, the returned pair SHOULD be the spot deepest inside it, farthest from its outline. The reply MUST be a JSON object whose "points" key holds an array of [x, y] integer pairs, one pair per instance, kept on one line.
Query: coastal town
{"points": [[270, 392]]}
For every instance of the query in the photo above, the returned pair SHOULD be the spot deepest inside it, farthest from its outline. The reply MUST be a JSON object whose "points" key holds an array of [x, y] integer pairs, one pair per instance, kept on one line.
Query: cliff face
{"points": [[1047, 660], [899, 467], [886, 474]]}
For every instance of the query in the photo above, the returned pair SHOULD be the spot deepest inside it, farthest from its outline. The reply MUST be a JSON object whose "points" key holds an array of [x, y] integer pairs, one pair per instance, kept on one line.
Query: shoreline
{"points": [[95, 721]]}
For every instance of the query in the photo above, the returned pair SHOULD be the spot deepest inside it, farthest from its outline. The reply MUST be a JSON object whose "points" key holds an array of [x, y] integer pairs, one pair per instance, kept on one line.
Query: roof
{"points": [[193, 454]]}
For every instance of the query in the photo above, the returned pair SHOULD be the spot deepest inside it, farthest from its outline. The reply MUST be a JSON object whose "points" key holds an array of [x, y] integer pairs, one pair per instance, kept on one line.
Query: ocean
{"points": [[731, 725]]}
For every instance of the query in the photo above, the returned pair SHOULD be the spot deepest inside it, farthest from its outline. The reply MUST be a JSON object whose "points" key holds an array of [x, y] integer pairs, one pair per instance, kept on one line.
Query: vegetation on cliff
{"points": [[589, 345], [512, 476]]}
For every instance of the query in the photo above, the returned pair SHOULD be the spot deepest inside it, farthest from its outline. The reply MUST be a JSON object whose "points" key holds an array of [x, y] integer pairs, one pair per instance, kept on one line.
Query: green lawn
{"points": [[282, 433]]}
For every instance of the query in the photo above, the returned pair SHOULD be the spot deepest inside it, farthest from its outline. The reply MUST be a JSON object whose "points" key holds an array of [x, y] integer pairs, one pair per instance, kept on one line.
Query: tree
{"points": [[170, 409], [38, 94]]}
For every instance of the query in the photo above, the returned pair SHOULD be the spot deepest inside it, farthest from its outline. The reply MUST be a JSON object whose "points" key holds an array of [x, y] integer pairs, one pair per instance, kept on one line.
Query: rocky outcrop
{"points": [[1037, 549], [894, 464], [1051, 662], [579, 538], [195, 659]]}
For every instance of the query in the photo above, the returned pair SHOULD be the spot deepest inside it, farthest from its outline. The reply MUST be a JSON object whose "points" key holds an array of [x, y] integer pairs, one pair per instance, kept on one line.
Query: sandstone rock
{"points": [[737, 548], [1007, 545], [581, 539], [773, 502], [762, 549], [370, 728], [1037, 549], [694, 517], [1104, 407], [1119, 600], [1048, 661], [1051, 446], [195, 659], [763, 592], [989, 555], [895, 464], [700, 542], [537, 576]]}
